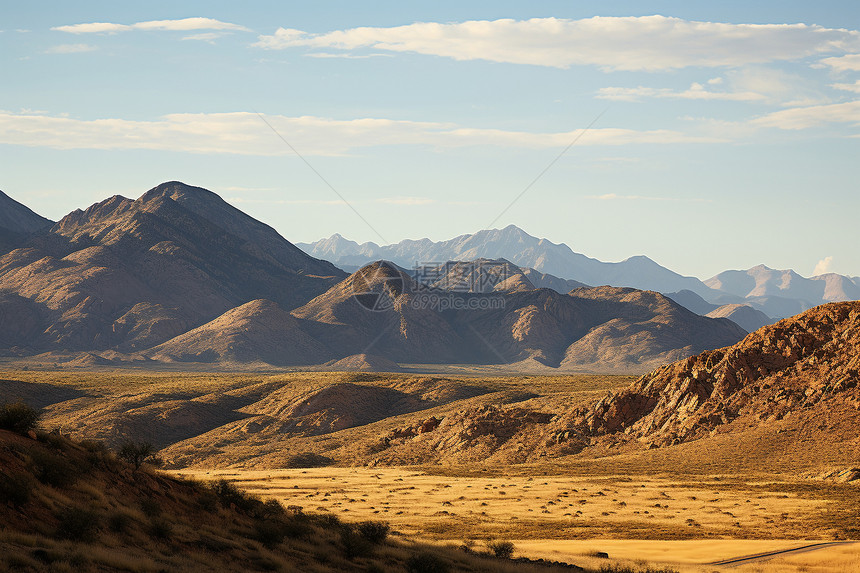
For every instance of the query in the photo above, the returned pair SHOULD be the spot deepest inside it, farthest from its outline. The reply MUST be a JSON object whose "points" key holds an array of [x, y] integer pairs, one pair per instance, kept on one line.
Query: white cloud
{"points": [[750, 84], [696, 91], [70, 49], [613, 43], [812, 116], [847, 63], [183, 25], [204, 37], [823, 266], [855, 87], [406, 200], [245, 133]]}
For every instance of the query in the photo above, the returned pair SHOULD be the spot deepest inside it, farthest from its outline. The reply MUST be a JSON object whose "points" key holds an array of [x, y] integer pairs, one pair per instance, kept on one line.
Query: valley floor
{"points": [[686, 523]]}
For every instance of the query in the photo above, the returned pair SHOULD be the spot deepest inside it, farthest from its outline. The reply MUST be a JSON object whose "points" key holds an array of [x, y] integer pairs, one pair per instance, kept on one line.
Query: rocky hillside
{"points": [[75, 506], [797, 364]]}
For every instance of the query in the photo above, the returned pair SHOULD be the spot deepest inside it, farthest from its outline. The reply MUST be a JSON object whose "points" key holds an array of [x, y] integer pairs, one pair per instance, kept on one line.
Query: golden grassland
{"points": [[681, 507]]}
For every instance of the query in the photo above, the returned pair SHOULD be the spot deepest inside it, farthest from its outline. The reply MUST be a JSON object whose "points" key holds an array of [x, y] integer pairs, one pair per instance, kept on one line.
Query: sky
{"points": [[705, 135]]}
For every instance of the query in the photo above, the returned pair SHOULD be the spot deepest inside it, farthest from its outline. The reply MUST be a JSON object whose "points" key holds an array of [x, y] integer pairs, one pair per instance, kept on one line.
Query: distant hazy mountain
{"points": [[18, 223], [515, 245], [743, 315], [762, 282], [777, 294]]}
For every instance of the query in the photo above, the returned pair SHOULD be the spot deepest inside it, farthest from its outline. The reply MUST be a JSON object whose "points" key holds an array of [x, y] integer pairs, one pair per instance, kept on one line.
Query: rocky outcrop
{"points": [[793, 364]]}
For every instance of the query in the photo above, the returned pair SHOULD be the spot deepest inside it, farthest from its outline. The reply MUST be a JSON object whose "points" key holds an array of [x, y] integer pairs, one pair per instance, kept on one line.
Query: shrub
{"points": [[138, 453], [426, 563], [374, 531], [501, 549], [354, 545], [78, 523], [269, 533], [15, 489], [228, 494], [119, 522], [150, 507], [19, 417], [53, 469], [160, 528]]}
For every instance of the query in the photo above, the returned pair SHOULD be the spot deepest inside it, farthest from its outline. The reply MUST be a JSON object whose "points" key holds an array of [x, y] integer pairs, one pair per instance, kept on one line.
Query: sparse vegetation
{"points": [[77, 523], [501, 549], [138, 453], [375, 532], [426, 563], [18, 417]]}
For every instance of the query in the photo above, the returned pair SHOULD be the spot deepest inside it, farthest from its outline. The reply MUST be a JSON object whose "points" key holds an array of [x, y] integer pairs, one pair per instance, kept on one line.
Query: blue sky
{"points": [[723, 134]]}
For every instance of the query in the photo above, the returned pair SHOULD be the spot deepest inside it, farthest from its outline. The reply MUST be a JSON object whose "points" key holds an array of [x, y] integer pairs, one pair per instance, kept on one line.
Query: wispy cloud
{"points": [[612, 43], [70, 49], [347, 55], [245, 200], [244, 133], [749, 84], [182, 25], [695, 91], [616, 197], [812, 116], [847, 63], [855, 87], [406, 200]]}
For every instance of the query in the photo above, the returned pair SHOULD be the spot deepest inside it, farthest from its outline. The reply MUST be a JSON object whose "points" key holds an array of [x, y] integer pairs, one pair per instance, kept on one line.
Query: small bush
{"points": [[78, 523], [160, 528], [19, 417], [138, 453], [150, 507], [354, 545], [15, 489], [269, 533], [228, 494], [501, 549], [374, 531], [426, 563], [297, 528], [119, 522], [53, 469]]}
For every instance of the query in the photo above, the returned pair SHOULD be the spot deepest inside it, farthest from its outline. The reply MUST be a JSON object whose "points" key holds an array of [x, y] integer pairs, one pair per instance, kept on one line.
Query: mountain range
{"points": [[179, 275], [776, 293]]}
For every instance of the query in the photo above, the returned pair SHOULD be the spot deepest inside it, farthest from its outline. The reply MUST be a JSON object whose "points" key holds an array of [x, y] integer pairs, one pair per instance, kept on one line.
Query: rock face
{"points": [[793, 364]]}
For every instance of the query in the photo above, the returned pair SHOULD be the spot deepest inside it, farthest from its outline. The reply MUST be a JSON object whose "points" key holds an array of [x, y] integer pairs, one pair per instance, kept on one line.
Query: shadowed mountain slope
{"points": [[132, 274], [18, 223], [382, 310]]}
